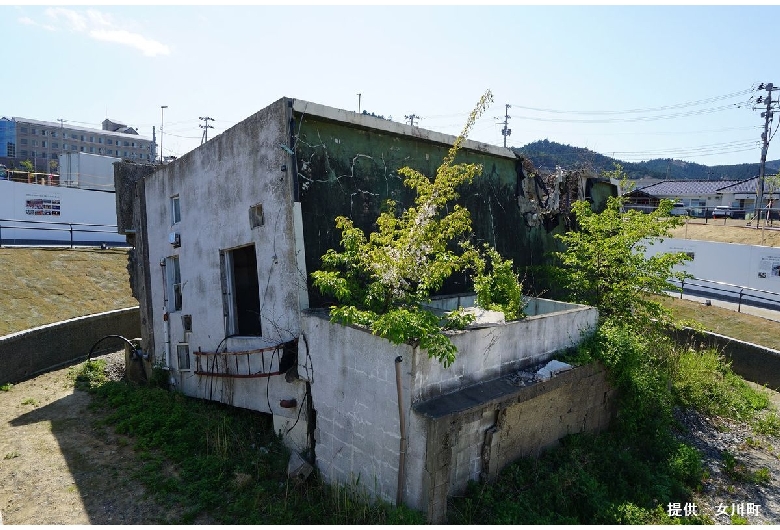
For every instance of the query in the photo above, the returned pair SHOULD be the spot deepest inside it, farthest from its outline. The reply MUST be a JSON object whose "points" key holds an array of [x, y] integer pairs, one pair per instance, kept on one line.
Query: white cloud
{"points": [[76, 21], [27, 21], [150, 48], [100, 26]]}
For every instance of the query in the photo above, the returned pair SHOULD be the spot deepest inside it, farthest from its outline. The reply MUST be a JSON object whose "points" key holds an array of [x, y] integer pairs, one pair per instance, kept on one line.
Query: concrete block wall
{"points": [[496, 351], [353, 389], [478, 443], [29, 352]]}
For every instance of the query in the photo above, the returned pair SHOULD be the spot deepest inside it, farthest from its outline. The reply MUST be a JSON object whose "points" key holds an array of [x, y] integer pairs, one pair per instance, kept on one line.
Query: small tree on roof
{"points": [[382, 281]]}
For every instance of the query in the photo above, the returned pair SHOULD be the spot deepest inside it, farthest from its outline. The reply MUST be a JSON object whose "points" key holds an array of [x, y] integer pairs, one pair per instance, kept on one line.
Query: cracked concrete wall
{"points": [[217, 185], [351, 170], [479, 443]]}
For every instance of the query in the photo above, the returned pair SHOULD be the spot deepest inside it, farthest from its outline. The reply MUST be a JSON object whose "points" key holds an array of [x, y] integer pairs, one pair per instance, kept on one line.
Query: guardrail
{"points": [[20, 224], [730, 293]]}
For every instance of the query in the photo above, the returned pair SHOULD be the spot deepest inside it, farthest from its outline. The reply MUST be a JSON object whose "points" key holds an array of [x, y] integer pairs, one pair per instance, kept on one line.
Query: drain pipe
{"points": [[402, 420]]}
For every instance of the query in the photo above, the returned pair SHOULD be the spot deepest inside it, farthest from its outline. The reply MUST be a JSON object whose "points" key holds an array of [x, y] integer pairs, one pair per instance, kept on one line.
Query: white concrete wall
{"points": [[498, 350], [217, 184], [75, 206], [727, 262], [352, 375]]}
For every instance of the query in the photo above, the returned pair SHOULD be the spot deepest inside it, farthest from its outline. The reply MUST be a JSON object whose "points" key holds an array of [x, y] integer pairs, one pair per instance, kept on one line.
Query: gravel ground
{"points": [[732, 486]]}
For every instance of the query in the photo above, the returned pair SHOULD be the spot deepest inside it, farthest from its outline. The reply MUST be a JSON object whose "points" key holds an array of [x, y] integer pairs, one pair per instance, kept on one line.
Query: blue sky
{"points": [[682, 71]]}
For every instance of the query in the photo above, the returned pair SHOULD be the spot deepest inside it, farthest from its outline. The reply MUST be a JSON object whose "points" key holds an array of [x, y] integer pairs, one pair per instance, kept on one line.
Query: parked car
{"points": [[679, 208], [727, 212]]}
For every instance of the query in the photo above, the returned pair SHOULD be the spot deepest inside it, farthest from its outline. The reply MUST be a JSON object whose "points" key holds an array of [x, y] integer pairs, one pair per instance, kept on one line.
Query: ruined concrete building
{"points": [[225, 240]]}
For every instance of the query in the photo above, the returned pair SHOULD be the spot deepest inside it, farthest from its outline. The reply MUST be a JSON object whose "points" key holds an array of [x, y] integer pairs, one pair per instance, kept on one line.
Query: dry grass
{"points": [[730, 231], [43, 285], [727, 322]]}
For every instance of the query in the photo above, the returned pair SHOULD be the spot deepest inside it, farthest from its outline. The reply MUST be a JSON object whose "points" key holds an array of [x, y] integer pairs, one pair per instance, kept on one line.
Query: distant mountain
{"points": [[546, 155]]}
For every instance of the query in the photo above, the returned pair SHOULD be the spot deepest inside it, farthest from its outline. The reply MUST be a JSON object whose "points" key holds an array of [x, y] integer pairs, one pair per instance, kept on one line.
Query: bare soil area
{"points": [[58, 466]]}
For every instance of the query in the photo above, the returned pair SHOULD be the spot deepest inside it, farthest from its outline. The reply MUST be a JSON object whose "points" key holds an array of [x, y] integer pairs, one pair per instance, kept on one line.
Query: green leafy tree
{"points": [[605, 265], [27, 166], [383, 280]]}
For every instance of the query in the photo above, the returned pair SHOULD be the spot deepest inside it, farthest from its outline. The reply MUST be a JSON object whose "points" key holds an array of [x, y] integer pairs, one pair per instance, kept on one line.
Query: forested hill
{"points": [[546, 155]]}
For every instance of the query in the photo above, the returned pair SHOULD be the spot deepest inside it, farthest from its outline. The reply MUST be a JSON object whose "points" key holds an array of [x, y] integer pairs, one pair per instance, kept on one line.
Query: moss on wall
{"points": [[346, 170]]}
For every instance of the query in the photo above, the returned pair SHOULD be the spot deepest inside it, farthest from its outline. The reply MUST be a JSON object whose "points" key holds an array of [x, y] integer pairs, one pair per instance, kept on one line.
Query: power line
{"points": [[635, 111]]}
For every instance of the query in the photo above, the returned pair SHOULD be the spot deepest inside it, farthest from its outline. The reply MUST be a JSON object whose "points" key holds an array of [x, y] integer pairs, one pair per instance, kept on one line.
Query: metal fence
{"points": [[58, 226], [729, 292]]}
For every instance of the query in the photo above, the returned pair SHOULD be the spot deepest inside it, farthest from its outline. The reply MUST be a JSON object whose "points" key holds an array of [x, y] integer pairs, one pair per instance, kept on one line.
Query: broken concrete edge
{"points": [[511, 388]]}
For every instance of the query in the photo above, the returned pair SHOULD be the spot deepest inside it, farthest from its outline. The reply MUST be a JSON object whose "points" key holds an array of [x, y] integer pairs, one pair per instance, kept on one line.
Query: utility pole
{"points": [[411, 118], [205, 128], [506, 131], [768, 116], [62, 135], [359, 95], [162, 122]]}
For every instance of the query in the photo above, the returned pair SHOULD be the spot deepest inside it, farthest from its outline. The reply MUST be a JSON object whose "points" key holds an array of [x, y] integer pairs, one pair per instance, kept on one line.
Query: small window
{"points": [[43, 132], [23, 130], [54, 156], [55, 145], [23, 141], [175, 210], [23, 153], [34, 131], [256, 217], [241, 291], [43, 143], [109, 141], [54, 134], [91, 138], [173, 277], [183, 354], [100, 140]]}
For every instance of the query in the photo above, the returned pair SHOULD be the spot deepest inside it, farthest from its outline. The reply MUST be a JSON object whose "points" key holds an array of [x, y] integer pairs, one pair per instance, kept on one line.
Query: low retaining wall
{"points": [[753, 362], [30, 352]]}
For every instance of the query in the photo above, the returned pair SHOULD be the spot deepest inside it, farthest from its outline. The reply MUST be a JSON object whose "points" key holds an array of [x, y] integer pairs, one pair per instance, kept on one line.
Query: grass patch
{"points": [[225, 463], [6, 387], [11, 455], [629, 474], [45, 285], [724, 321], [89, 374], [30, 401]]}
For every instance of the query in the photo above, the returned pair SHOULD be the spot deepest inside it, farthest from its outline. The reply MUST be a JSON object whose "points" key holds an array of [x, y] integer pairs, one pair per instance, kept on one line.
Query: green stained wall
{"points": [[346, 170]]}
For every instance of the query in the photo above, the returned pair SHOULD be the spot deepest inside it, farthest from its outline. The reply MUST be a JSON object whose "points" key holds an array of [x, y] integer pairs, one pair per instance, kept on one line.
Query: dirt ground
{"points": [[58, 467]]}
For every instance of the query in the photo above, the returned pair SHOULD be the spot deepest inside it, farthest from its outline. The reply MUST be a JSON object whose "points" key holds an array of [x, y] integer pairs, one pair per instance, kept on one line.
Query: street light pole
{"points": [[162, 123]]}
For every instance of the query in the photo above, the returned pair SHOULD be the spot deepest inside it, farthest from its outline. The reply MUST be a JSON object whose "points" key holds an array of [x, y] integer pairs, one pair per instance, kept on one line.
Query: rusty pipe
{"points": [[402, 421]]}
